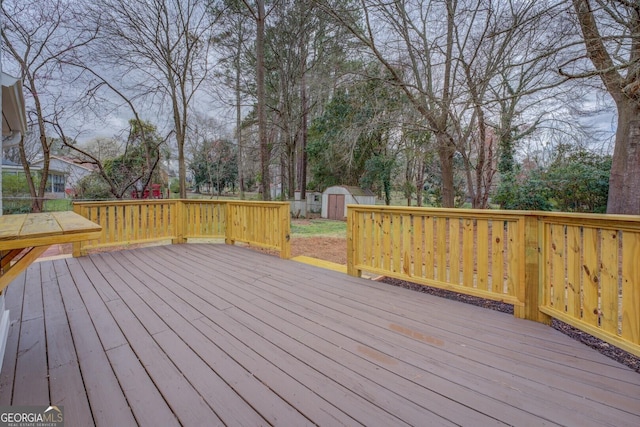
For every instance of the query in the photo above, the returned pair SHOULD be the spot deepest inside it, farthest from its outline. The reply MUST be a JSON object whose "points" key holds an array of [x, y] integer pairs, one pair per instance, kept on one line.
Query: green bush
{"points": [[174, 186], [15, 194], [580, 182], [15, 206], [14, 185], [93, 187], [56, 205], [575, 181], [530, 193]]}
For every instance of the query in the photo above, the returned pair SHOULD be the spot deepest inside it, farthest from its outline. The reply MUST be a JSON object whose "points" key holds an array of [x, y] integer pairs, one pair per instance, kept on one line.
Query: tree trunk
{"points": [[182, 170], [445, 155], [445, 147], [37, 203], [481, 162], [262, 119], [302, 162], [291, 166], [284, 170], [419, 180], [624, 182], [27, 170], [409, 176], [239, 117]]}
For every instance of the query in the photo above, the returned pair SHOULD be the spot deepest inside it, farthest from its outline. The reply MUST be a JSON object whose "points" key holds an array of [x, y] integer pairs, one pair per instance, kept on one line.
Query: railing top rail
{"points": [[590, 216], [602, 221], [239, 202], [460, 213], [221, 201], [124, 202], [191, 201], [498, 213]]}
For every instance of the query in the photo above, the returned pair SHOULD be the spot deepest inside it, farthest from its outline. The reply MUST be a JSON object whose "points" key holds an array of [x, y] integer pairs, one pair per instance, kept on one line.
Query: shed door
{"points": [[336, 206]]}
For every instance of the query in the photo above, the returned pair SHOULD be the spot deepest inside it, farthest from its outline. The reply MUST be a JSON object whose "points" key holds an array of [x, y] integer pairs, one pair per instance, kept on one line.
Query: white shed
{"points": [[335, 200], [312, 204]]}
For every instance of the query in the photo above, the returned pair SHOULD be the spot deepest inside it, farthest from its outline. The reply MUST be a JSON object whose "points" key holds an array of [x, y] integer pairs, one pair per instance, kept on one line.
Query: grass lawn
{"points": [[318, 227], [55, 205]]}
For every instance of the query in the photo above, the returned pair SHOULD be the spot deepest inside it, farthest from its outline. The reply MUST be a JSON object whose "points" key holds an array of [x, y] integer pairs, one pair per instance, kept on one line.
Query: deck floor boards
{"points": [[489, 384], [179, 316], [66, 386], [223, 335], [31, 384], [331, 358]]}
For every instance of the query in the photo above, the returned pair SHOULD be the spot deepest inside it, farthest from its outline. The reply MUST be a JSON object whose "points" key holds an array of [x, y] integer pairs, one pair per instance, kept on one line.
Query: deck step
{"points": [[321, 263]]}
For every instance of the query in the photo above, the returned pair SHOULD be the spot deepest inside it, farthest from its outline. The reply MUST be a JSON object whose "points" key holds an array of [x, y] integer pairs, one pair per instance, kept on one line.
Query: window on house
{"points": [[57, 183]]}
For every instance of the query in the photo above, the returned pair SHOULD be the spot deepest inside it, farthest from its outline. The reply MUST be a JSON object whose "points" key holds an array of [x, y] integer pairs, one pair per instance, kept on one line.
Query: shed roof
{"points": [[354, 190]]}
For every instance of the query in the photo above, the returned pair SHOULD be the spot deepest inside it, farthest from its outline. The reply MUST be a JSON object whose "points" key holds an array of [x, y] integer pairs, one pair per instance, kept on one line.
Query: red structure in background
{"points": [[155, 193]]}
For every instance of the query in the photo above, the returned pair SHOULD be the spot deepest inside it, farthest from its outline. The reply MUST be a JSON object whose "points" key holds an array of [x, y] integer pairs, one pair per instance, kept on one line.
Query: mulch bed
{"points": [[608, 350]]}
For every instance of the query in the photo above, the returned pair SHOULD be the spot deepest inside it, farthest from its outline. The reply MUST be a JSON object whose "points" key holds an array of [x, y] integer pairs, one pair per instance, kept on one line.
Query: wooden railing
{"points": [[133, 222], [273, 231], [590, 268], [581, 269]]}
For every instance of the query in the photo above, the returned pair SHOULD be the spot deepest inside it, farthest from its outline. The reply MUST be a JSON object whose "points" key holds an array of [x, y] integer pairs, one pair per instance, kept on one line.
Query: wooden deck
{"points": [[220, 335]]}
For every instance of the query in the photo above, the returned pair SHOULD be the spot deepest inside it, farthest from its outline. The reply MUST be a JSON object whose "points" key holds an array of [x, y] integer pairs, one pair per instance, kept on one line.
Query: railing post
{"points": [[179, 222], [285, 233], [532, 276], [228, 230], [352, 230], [77, 246]]}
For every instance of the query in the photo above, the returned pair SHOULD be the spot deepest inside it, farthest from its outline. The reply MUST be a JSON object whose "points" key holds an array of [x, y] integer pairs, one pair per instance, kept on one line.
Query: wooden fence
{"points": [[133, 222], [581, 269]]}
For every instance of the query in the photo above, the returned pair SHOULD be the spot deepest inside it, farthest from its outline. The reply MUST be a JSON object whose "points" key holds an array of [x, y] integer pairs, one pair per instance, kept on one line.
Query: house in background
{"points": [[11, 168], [55, 184], [64, 174]]}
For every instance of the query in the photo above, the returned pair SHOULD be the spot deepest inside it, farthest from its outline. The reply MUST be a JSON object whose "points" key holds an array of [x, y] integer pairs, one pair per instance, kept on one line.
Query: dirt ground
{"points": [[332, 249]]}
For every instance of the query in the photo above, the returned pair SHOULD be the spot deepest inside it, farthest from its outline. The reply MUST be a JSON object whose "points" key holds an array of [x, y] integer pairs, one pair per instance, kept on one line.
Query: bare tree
{"points": [[137, 164], [415, 42], [283, 84], [237, 52], [163, 46], [40, 36], [447, 57], [299, 41], [611, 36], [103, 148], [506, 65], [259, 14]]}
